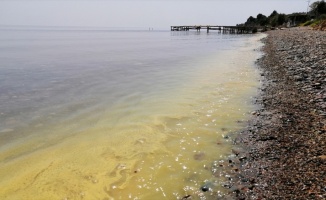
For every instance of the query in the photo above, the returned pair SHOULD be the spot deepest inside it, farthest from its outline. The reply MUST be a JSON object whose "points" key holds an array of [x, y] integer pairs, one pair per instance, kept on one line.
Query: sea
{"points": [[102, 113]]}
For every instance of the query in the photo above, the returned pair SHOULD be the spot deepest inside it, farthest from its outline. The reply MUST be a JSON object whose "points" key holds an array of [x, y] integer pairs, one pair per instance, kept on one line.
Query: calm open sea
{"points": [[109, 114]]}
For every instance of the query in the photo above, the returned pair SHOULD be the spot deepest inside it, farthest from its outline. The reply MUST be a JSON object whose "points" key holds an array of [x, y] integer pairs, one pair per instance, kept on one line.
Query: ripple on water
{"points": [[163, 136]]}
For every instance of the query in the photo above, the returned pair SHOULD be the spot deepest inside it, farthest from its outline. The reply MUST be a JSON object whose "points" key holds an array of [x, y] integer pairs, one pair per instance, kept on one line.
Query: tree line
{"points": [[317, 12], [274, 19]]}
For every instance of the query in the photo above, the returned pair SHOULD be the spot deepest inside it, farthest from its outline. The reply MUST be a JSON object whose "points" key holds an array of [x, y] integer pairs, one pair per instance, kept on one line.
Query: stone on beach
{"points": [[287, 142]]}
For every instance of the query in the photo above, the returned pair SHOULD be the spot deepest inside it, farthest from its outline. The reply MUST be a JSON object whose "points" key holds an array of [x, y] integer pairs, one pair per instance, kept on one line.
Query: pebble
{"points": [[292, 127], [204, 188]]}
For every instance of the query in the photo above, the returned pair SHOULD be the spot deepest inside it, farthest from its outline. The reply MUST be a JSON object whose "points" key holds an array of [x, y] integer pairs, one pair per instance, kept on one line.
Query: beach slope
{"points": [[286, 140]]}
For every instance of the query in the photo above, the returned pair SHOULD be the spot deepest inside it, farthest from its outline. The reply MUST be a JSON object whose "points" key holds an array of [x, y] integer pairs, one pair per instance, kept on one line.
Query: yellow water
{"points": [[153, 147]]}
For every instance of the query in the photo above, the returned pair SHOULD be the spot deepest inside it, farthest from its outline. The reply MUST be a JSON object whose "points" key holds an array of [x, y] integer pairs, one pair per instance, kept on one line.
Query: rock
{"points": [[242, 158], [187, 197], [226, 137], [235, 151], [298, 78], [207, 186], [316, 85], [204, 188], [294, 88]]}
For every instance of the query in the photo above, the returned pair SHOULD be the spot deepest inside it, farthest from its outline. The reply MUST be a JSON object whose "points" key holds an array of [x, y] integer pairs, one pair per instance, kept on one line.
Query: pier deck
{"points": [[222, 29]]}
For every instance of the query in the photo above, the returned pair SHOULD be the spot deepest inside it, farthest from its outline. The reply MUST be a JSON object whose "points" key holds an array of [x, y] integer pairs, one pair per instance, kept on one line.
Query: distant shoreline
{"points": [[79, 28]]}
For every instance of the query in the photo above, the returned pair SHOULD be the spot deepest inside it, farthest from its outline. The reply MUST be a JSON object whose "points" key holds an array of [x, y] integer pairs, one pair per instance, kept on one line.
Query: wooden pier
{"points": [[220, 29]]}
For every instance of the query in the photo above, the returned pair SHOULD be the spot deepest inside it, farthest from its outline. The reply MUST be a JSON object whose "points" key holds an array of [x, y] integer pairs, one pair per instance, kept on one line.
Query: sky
{"points": [[160, 14]]}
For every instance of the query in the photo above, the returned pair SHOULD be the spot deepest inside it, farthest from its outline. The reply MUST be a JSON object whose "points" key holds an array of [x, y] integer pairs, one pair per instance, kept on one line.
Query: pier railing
{"points": [[221, 29]]}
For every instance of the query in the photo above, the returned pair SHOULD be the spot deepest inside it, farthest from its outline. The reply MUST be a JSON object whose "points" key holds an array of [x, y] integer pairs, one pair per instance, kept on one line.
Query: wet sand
{"points": [[283, 153]]}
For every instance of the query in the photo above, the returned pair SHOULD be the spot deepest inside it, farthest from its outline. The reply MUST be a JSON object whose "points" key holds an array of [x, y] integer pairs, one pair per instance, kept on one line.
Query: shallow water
{"points": [[89, 114]]}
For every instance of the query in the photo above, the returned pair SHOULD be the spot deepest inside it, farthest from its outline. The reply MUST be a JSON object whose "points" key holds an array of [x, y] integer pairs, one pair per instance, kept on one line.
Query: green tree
{"points": [[251, 21], [281, 19], [272, 18], [273, 14], [318, 8], [262, 19], [273, 21], [321, 7]]}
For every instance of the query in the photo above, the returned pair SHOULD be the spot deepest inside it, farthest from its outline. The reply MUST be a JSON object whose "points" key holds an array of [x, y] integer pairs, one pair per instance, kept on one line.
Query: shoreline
{"points": [[283, 149]]}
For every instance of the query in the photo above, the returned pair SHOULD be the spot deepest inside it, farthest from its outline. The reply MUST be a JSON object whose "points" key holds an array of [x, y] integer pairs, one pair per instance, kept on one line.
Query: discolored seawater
{"points": [[102, 114]]}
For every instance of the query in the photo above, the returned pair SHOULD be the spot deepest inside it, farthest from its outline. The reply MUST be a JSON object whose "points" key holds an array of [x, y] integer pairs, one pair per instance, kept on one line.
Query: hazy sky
{"points": [[140, 13]]}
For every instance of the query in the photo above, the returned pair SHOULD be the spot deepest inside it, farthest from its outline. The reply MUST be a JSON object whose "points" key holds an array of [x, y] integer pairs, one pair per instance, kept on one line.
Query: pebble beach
{"points": [[284, 145]]}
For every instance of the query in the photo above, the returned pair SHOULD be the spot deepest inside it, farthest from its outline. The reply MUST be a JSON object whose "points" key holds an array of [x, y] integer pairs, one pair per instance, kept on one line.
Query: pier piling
{"points": [[220, 29]]}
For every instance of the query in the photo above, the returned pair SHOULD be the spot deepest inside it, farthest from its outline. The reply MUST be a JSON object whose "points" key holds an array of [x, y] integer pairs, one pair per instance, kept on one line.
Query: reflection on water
{"points": [[120, 115]]}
